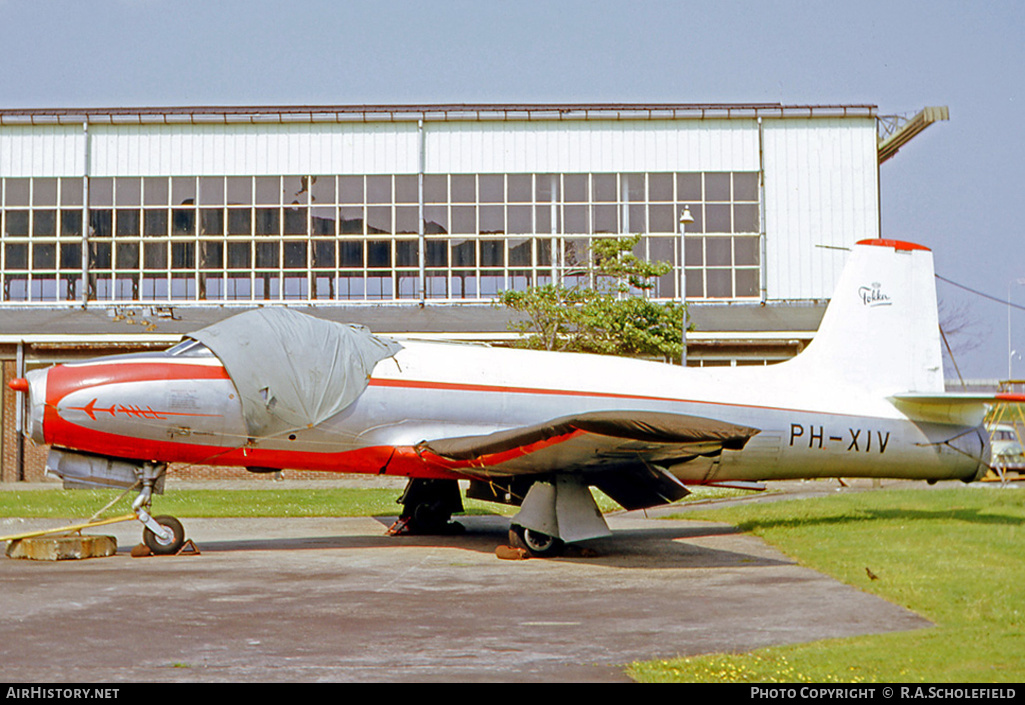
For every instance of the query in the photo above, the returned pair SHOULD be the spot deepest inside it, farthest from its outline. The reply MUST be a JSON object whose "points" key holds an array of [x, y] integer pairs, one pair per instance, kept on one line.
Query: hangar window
{"points": [[268, 190], [463, 188], [604, 187], [16, 192], [346, 237], [238, 191], [575, 188], [71, 224], [211, 191], [183, 191], [519, 186], [70, 192], [718, 187], [44, 192], [16, 223], [492, 188], [16, 256], [101, 192], [128, 222], [128, 192], [379, 189], [155, 191], [745, 187]]}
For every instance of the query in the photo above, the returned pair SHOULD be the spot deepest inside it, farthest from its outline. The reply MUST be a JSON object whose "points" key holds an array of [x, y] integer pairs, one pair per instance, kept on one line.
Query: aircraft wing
{"points": [[623, 453]]}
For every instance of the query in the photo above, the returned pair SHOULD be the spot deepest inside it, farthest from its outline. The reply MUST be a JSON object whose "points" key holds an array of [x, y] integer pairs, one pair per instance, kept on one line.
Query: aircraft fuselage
{"points": [[164, 408]]}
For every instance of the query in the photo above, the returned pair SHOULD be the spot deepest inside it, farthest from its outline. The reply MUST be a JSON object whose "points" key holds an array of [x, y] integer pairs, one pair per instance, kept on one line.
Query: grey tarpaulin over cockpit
{"points": [[292, 370]]}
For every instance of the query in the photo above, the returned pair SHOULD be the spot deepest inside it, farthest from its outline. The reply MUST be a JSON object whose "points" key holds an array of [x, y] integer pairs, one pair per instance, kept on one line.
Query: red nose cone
{"points": [[19, 384]]}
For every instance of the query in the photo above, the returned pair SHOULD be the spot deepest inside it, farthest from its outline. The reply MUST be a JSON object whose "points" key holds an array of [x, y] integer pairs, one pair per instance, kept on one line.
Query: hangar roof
{"points": [[433, 112], [894, 130]]}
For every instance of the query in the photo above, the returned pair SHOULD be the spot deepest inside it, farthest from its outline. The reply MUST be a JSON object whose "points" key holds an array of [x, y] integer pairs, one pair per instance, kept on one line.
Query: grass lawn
{"points": [[953, 556], [333, 501]]}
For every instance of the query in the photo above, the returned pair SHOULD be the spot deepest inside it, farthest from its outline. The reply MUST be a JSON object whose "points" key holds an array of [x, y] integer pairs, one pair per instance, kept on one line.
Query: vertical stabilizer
{"points": [[880, 332]]}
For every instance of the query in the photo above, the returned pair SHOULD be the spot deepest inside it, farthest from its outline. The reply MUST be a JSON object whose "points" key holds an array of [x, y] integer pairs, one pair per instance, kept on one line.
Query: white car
{"points": [[1007, 450]]}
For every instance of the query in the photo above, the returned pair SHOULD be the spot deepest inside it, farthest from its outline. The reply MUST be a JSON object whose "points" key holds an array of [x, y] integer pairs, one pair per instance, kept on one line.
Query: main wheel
{"points": [[429, 518], [536, 543], [158, 545], [428, 505]]}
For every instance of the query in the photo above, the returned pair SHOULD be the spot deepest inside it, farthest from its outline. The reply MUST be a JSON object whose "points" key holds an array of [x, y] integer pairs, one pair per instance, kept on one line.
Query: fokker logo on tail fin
{"points": [[873, 295]]}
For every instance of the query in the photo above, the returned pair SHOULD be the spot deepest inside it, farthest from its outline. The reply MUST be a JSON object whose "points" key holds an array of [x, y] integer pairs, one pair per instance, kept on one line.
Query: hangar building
{"points": [[124, 228]]}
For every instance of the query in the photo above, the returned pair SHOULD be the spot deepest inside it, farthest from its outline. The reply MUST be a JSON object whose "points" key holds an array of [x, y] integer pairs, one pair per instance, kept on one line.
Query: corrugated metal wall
{"points": [[47, 150], [821, 193], [253, 150], [592, 146], [381, 148]]}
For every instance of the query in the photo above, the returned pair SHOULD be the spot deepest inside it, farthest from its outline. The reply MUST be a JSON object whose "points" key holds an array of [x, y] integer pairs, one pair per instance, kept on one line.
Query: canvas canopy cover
{"points": [[292, 370]]}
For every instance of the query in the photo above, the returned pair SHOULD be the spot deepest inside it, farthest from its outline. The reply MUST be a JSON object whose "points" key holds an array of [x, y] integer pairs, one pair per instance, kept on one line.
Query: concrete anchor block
{"points": [[61, 548]]}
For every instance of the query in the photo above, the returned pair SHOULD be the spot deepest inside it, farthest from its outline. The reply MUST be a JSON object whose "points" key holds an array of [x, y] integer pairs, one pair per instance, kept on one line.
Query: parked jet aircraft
{"points": [[272, 389]]}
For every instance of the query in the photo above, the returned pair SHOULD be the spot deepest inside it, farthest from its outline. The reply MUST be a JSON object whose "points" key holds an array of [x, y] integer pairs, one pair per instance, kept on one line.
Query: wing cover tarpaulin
{"points": [[631, 433], [623, 453], [292, 370], [654, 427]]}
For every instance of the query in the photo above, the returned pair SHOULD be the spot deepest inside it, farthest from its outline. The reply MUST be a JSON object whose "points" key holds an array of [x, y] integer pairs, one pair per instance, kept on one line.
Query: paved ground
{"points": [[336, 600]]}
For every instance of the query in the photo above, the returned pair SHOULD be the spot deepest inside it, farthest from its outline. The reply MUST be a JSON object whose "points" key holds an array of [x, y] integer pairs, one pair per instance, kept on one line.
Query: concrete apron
{"points": [[334, 599]]}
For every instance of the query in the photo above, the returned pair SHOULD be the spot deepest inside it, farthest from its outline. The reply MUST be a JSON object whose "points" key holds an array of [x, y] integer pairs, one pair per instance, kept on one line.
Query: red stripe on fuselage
{"points": [[377, 460]]}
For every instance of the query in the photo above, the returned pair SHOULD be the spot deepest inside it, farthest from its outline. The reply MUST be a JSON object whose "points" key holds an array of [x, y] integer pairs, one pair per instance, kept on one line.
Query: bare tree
{"points": [[962, 332]]}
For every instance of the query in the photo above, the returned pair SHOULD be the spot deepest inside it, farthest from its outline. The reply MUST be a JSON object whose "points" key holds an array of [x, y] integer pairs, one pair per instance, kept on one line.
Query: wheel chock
{"points": [[189, 548], [511, 553]]}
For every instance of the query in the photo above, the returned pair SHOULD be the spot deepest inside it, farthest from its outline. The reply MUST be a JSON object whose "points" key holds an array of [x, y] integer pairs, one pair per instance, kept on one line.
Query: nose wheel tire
{"points": [[159, 546], [536, 543]]}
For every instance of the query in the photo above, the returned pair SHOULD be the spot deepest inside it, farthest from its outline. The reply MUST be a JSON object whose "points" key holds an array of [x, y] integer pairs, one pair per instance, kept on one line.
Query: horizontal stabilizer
{"points": [[954, 407], [738, 485]]}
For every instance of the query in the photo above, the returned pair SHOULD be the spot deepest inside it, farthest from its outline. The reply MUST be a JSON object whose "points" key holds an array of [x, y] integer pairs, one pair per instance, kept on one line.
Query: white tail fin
{"points": [[880, 331]]}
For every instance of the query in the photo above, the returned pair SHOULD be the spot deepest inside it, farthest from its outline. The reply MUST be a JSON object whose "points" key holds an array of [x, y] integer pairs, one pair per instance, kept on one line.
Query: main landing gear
{"points": [[535, 543], [427, 508]]}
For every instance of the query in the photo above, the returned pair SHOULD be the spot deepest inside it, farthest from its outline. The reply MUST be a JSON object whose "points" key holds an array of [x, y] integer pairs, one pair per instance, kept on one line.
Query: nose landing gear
{"points": [[162, 535]]}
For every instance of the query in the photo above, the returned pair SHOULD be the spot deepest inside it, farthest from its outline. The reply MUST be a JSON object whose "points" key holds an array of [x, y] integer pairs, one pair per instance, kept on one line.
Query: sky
{"points": [[953, 188]]}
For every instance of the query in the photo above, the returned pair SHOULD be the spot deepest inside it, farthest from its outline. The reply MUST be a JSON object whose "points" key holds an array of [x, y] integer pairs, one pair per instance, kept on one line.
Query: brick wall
{"points": [[35, 456]]}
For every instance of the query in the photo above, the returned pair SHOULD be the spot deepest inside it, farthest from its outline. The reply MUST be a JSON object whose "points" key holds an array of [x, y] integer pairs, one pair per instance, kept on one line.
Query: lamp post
{"points": [[685, 219], [1010, 353]]}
